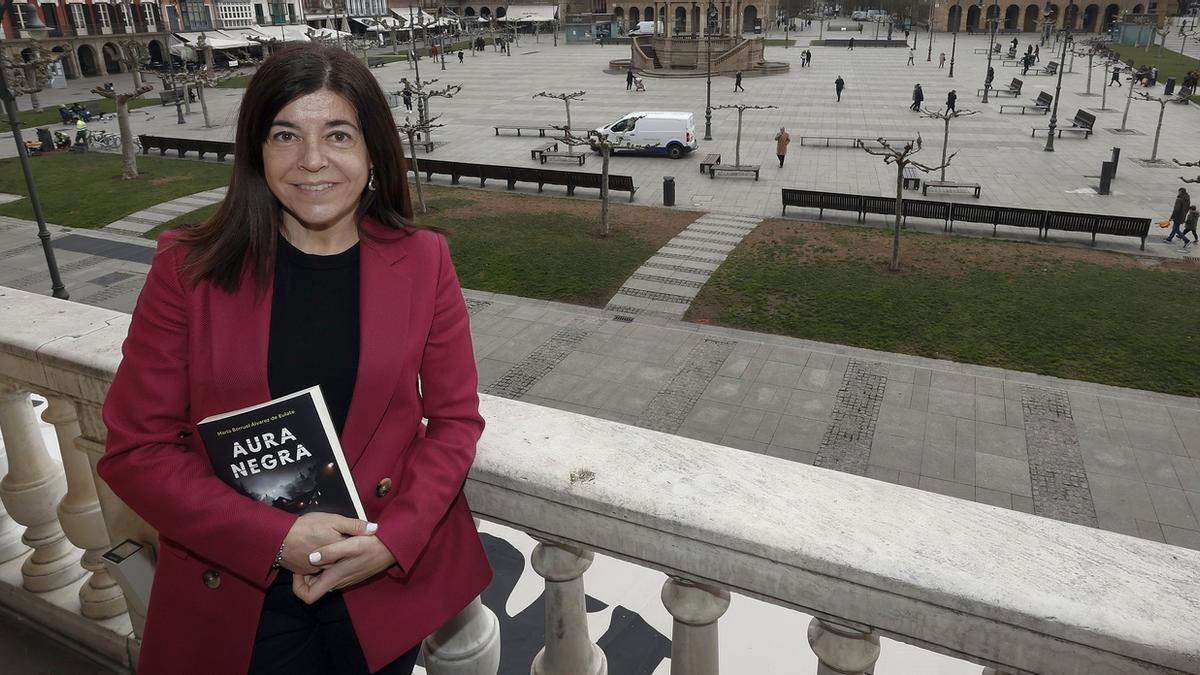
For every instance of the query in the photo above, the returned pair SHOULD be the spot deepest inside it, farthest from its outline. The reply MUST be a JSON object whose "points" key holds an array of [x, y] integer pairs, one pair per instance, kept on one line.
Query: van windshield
{"points": [[624, 125]]}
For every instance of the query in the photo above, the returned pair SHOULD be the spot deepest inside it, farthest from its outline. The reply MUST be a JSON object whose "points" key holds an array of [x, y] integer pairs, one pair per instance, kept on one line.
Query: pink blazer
{"points": [[193, 351]]}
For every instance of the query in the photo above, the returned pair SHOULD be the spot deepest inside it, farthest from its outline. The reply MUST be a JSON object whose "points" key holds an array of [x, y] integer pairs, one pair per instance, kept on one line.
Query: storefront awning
{"points": [[530, 13], [420, 19], [215, 39]]}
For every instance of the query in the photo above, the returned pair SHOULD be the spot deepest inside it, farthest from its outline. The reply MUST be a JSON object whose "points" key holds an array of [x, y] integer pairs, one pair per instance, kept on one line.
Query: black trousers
{"points": [[298, 639]]}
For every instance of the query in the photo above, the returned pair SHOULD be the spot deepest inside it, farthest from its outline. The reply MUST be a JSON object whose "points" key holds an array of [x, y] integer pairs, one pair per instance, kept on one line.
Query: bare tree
{"points": [[901, 157], [602, 143], [129, 169], [1182, 178], [1162, 108], [946, 114], [32, 76], [410, 129], [199, 80], [741, 108], [566, 98], [424, 91], [132, 55]]}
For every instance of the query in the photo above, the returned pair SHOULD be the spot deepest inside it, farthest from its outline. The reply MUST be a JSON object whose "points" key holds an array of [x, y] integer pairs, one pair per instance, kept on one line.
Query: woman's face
{"points": [[316, 162]]}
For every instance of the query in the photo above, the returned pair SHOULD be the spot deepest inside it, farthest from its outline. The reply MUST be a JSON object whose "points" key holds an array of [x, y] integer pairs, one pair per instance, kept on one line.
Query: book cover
{"points": [[284, 453]]}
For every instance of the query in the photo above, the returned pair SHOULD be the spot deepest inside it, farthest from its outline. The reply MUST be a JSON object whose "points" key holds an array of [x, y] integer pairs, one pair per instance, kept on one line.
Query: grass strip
{"points": [[49, 115]]}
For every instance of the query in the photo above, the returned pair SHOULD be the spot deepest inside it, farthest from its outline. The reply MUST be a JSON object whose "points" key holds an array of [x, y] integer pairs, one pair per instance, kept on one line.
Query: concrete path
{"points": [[1120, 459], [141, 222]]}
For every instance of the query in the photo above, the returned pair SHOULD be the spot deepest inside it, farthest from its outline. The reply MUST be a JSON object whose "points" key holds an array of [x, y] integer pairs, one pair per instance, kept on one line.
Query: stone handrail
{"points": [[1007, 590], [728, 54]]}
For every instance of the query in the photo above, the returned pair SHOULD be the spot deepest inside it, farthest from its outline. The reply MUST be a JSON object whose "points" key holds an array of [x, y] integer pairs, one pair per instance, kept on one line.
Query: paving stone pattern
{"points": [[847, 442], [1060, 483], [671, 405], [518, 380], [476, 306]]}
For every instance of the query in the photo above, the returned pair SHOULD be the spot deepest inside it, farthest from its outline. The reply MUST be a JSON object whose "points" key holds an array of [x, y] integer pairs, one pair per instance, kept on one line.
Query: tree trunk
{"points": [[1162, 107], [203, 104], [416, 169], [570, 148], [945, 142], [737, 148], [129, 169], [895, 266], [34, 103], [137, 77], [187, 104], [604, 148]]}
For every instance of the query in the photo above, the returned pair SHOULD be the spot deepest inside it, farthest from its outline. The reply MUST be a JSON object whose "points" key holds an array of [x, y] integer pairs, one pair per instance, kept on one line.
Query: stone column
{"points": [[695, 608], [842, 650], [568, 650], [468, 644], [10, 533], [31, 489], [79, 514]]}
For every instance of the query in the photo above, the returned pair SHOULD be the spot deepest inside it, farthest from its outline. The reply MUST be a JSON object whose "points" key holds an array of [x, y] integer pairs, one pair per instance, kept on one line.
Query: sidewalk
{"points": [[1124, 460]]}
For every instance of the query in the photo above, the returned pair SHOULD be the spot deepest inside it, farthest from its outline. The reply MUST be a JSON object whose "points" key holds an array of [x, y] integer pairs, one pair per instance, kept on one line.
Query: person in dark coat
{"points": [[918, 98], [1183, 202], [851, 45], [737, 82], [951, 100], [629, 79], [838, 85]]}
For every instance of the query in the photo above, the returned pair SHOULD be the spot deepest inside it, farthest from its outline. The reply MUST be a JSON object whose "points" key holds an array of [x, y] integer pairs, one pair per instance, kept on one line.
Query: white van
{"points": [[660, 133]]}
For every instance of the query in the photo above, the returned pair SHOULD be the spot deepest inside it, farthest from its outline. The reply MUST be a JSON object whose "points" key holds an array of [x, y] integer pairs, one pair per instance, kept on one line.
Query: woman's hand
{"points": [[311, 531], [341, 564]]}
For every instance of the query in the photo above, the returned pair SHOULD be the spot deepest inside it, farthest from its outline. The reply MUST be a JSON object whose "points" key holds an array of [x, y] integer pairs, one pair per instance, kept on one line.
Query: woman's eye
{"points": [[340, 136], [283, 136]]}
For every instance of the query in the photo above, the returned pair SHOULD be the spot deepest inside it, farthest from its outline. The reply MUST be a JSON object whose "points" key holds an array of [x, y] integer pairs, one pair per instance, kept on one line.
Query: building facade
{"points": [[1032, 17]]}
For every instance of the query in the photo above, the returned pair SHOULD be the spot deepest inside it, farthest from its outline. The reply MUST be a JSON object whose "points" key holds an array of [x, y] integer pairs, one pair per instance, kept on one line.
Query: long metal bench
{"points": [[1040, 105], [733, 168], [580, 157], [1082, 124], [949, 185], [200, 146], [708, 161], [540, 128], [525, 174]]}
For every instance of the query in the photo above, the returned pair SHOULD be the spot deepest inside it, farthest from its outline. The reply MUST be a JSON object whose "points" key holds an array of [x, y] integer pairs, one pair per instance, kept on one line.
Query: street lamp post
{"points": [[10, 107], [929, 27], [712, 16], [954, 39], [1066, 40], [987, 83]]}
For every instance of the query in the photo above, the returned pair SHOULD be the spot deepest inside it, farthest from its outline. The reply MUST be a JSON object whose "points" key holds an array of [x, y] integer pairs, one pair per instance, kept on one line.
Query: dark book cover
{"points": [[284, 453]]}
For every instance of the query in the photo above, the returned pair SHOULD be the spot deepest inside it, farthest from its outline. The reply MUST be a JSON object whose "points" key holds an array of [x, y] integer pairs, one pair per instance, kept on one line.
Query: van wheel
{"points": [[674, 151]]}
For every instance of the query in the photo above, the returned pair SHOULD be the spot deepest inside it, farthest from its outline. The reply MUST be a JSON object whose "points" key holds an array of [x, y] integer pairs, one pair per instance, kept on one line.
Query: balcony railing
{"points": [[1013, 592]]}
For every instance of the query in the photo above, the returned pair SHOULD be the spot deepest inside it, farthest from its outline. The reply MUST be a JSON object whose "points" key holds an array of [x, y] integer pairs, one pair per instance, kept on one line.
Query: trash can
{"points": [[1170, 88], [1106, 174], [668, 190], [1116, 159]]}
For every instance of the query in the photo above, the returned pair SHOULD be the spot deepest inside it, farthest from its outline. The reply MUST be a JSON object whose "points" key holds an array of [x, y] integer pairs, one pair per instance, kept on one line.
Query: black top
{"points": [[314, 326]]}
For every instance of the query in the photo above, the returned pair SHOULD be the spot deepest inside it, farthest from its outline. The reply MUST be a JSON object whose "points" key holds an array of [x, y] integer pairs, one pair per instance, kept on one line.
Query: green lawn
{"points": [[1078, 314], [235, 82], [1170, 63], [85, 189], [49, 113]]}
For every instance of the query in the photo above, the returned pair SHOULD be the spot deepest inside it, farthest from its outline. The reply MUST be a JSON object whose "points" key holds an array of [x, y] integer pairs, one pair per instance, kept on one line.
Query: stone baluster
{"points": [[33, 486], [468, 644], [695, 608], [842, 650], [568, 650], [79, 514], [10, 533]]}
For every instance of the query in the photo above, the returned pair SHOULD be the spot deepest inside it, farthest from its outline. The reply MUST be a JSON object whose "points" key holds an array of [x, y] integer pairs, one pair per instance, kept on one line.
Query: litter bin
{"points": [[1116, 159], [668, 190], [1106, 174], [1170, 88]]}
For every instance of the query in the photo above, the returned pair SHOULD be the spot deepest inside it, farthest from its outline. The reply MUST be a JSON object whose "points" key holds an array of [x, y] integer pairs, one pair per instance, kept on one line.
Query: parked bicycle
{"points": [[101, 138]]}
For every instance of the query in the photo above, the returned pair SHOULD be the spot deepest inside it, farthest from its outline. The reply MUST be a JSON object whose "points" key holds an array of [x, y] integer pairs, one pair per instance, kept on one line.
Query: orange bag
{"points": [[1164, 223]]}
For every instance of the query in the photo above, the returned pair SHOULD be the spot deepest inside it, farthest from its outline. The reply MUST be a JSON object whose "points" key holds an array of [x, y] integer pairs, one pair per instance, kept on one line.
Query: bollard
{"points": [[1170, 88], [1106, 174], [1116, 159], [668, 190]]}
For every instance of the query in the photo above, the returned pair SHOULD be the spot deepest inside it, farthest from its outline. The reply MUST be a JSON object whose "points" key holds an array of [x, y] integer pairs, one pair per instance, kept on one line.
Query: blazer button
{"points": [[384, 487], [212, 578]]}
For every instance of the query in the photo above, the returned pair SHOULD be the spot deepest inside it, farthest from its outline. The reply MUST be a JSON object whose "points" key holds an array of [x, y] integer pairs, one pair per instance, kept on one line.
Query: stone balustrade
{"points": [[1012, 592]]}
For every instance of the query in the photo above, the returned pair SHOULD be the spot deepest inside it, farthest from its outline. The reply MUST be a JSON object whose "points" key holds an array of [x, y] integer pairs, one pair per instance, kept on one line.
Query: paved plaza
{"points": [[1122, 460]]}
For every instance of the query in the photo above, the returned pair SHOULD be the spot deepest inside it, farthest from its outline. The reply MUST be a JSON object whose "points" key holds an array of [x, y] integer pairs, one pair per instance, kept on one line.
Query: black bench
{"points": [[829, 140], [1122, 226], [1014, 89], [581, 157], [537, 152], [912, 178], [733, 168], [1082, 124], [708, 161], [1040, 105], [949, 185], [376, 62], [540, 128], [526, 174], [1050, 69], [169, 96], [822, 201], [200, 146]]}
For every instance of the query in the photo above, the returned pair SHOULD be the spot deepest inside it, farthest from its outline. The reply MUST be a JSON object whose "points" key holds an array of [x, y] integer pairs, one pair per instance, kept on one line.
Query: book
{"points": [[284, 453]]}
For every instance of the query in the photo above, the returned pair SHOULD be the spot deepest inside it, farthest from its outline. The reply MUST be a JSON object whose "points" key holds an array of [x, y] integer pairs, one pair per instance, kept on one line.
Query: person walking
{"points": [[737, 82], [1189, 225], [1183, 203], [912, 51], [629, 79], [942, 60], [951, 101], [1026, 62], [406, 94], [1037, 54], [781, 144], [851, 45], [838, 86], [460, 56], [81, 134], [918, 97]]}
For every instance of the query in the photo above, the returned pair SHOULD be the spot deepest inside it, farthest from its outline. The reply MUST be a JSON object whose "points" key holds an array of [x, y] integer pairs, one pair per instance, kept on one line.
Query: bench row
{"points": [[511, 175], [949, 212]]}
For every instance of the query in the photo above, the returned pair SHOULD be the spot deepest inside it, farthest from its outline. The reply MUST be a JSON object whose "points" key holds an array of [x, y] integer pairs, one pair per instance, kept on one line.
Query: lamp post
{"points": [[712, 18], [954, 39], [10, 108], [929, 27], [987, 82], [1066, 40]]}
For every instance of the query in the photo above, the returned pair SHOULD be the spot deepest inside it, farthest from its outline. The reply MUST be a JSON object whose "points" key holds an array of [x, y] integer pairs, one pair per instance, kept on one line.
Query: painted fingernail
{"points": [[372, 527], [314, 557]]}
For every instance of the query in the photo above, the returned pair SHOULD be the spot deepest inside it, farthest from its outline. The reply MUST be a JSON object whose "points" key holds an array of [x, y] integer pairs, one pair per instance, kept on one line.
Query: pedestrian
{"points": [[1026, 62], [991, 75], [906, 36], [737, 82], [951, 100], [1037, 54], [918, 97], [1014, 44], [1189, 226], [1183, 204], [942, 60], [406, 94], [460, 56], [851, 45], [781, 144], [838, 85], [629, 79], [81, 134], [912, 51]]}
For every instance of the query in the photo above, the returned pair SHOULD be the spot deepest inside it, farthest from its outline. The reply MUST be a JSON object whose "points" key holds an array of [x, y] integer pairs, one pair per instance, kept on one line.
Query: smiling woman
{"points": [[311, 273]]}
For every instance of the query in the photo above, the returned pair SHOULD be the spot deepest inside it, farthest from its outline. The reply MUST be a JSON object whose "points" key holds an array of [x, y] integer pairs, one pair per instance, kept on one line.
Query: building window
{"points": [[78, 19], [102, 15], [195, 16], [148, 14], [235, 15]]}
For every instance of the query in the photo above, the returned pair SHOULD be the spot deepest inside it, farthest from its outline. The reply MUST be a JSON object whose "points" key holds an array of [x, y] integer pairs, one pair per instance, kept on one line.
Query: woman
{"points": [[311, 272]]}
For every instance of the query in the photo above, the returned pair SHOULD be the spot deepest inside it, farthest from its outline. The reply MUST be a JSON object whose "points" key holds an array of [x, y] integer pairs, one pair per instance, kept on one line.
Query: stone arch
{"points": [[27, 54], [635, 15], [156, 51], [619, 14], [954, 19], [88, 63], [993, 14], [648, 14], [1139, 9], [749, 14], [680, 23], [1052, 14], [973, 18], [485, 12], [500, 12], [1090, 14], [1072, 17], [1031, 19], [469, 11], [1012, 17], [696, 21], [112, 58], [1110, 14], [65, 57]]}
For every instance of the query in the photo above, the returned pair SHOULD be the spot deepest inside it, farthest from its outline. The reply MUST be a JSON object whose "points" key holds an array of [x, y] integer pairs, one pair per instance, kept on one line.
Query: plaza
{"points": [[988, 436]]}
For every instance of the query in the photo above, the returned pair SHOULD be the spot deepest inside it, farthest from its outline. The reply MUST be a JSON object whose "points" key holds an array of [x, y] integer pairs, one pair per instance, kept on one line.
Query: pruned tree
{"points": [[1162, 33], [129, 169], [741, 108], [1184, 179], [132, 54], [946, 115], [424, 91], [32, 76], [602, 143], [566, 98], [902, 158], [268, 45], [198, 81], [1162, 108], [410, 129]]}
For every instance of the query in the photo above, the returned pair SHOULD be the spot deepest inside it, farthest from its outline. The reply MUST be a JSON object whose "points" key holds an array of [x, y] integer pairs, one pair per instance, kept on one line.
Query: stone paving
{"points": [[138, 223]]}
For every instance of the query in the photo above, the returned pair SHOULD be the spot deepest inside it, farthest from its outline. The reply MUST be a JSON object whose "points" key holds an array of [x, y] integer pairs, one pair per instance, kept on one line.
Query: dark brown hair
{"points": [[242, 233]]}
